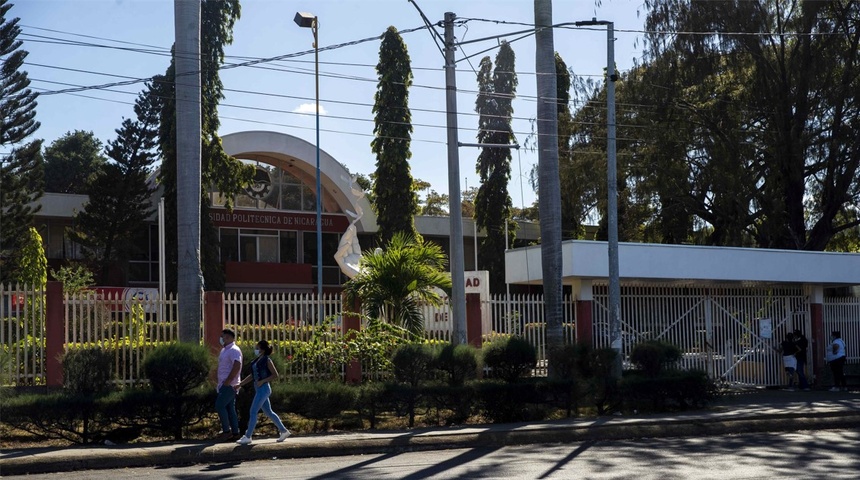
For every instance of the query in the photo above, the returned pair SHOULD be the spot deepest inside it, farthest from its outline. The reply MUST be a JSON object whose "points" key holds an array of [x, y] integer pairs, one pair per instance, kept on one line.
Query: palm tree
{"points": [[392, 284], [548, 186]]}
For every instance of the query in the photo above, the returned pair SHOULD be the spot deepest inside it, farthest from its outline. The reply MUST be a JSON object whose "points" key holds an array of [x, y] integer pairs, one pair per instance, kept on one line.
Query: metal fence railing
{"points": [[22, 335], [729, 332]]}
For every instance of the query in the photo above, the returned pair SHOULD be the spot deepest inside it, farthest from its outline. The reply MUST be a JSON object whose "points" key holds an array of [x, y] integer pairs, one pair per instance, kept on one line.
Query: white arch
{"points": [[301, 155]]}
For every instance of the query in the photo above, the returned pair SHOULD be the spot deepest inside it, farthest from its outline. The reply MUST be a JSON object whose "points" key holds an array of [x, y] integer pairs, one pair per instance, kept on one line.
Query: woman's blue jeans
{"points": [[261, 402], [225, 405]]}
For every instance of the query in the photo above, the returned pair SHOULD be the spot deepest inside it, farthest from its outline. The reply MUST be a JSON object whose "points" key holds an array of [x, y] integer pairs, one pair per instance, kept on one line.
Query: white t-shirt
{"points": [[840, 350], [790, 361]]}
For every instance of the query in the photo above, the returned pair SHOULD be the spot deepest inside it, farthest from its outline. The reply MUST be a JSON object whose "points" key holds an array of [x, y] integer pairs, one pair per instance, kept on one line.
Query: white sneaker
{"points": [[835, 389], [283, 436], [244, 440]]}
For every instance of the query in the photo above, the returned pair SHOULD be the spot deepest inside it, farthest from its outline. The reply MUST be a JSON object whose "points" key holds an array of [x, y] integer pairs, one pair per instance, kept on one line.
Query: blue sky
{"points": [[348, 77]]}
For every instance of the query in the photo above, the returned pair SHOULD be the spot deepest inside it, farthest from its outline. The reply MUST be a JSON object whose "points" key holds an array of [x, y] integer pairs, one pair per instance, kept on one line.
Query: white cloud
{"points": [[309, 108]]}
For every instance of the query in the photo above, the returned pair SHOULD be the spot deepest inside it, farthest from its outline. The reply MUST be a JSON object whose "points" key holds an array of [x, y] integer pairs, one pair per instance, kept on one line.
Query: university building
{"points": [[268, 240]]}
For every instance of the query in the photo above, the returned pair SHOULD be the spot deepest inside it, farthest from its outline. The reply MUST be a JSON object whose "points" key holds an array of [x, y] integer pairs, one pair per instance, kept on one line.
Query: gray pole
{"points": [[320, 317], [612, 204], [458, 282], [187, 82]]}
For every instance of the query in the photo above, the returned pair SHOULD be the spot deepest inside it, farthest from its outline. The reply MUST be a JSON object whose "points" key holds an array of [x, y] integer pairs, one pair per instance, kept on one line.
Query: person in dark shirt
{"points": [[802, 344]]}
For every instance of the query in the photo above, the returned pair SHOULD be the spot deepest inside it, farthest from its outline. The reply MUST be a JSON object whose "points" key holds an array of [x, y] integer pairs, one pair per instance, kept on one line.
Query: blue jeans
{"points": [[225, 405], [261, 402], [801, 373]]}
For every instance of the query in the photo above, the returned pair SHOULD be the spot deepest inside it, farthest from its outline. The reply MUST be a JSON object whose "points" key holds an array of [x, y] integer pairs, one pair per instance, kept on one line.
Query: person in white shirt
{"points": [[836, 359], [229, 368]]}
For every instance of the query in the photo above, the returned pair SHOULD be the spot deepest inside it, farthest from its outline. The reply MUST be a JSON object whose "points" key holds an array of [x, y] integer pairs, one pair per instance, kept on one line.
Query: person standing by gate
{"points": [[788, 349], [836, 359], [802, 344]]}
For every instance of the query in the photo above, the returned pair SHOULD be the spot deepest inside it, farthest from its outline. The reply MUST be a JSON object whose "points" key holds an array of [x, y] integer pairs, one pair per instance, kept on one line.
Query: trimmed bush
{"points": [[319, 400], [457, 363], [653, 356], [177, 368], [60, 416], [510, 359], [412, 363], [504, 402], [88, 372], [161, 412], [370, 401], [671, 390]]}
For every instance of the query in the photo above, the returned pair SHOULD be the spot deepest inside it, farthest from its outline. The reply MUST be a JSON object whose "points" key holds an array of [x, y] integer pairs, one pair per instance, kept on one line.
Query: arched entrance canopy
{"points": [[299, 156]]}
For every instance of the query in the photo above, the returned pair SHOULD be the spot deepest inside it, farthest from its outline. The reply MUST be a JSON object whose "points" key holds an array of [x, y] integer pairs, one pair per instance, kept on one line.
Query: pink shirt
{"points": [[228, 356]]}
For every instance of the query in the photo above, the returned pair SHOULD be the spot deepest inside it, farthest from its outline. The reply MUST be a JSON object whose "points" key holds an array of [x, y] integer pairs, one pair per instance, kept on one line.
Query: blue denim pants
{"points": [[225, 405], [261, 402]]}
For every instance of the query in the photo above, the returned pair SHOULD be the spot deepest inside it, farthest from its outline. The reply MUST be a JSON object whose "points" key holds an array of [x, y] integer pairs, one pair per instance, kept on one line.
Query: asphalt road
{"points": [[830, 454]]}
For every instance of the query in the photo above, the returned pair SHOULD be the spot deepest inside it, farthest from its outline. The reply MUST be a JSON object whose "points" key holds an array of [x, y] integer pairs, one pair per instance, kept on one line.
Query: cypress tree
{"points": [[395, 199]]}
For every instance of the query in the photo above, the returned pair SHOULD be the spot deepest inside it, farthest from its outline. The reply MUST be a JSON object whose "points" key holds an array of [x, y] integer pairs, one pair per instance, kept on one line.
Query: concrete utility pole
{"points": [[615, 338], [188, 113], [458, 282]]}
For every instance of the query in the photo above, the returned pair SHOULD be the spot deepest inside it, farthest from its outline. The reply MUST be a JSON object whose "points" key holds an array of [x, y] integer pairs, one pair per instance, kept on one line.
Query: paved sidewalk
{"points": [[756, 411]]}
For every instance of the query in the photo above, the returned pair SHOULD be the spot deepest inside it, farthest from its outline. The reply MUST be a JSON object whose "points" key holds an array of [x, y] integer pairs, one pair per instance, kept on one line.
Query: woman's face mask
{"points": [[257, 352]]}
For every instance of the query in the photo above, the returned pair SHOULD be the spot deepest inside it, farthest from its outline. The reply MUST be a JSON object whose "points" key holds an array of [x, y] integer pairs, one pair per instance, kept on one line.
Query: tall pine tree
{"points": [[119, 196], [493, 203], [21, 169], [396, 200]]}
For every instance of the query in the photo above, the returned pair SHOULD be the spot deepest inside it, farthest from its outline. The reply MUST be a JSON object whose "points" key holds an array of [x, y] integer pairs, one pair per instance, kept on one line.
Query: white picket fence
{"points": [[22, 335], [729, 332]]}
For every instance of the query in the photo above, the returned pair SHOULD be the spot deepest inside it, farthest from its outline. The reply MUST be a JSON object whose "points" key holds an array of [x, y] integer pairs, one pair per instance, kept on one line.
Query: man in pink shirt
{"points": [[229, 368]]}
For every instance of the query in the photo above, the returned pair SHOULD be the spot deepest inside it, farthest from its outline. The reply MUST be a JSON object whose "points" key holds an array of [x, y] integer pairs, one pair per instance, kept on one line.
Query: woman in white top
{"points": [[836, 359]]}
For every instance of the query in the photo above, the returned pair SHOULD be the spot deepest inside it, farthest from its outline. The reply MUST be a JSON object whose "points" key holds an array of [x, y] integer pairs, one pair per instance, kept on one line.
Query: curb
{"points": [[94, 458]]}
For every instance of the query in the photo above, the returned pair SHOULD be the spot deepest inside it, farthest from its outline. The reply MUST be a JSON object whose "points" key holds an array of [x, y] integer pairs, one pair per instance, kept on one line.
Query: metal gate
{"points": [[731, 333]]}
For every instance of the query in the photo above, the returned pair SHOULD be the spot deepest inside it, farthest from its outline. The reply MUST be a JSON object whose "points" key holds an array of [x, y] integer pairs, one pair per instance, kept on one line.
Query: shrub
{"points": [[570, 361], [370, 400], [510, 359], [161, 412], [60, 416], [412, 363], [654, 355], [457, 363], [177, 368], [88, 372], [508, 402], [601, 387], [671, 390], [318, 400]]}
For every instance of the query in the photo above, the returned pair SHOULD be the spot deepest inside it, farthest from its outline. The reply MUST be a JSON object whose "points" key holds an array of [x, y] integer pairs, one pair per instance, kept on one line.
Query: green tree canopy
{"points": [[750, 138], [72, 161], [395, 200]]}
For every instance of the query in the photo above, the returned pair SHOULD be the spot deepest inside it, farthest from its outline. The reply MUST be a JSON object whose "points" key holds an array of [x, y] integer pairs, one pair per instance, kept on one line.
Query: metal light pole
{"points": [[612, 200], [309, 20]]}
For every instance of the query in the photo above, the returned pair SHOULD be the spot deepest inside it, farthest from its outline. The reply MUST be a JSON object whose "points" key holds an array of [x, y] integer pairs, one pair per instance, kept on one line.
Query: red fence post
{"points": [[474, 329], [584, 316], [819, 339], [352, 322], [213, 320], [55, 337]]}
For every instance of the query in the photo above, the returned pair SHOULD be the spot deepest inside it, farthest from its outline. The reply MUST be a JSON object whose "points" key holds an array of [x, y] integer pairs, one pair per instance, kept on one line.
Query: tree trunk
{"points": [[550, 195], [188, 119]]}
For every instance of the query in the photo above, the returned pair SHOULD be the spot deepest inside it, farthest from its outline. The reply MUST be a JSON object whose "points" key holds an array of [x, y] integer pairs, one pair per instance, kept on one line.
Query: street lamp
{"points": [[612, 200], [309, 20]]}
